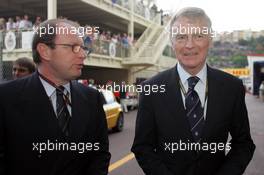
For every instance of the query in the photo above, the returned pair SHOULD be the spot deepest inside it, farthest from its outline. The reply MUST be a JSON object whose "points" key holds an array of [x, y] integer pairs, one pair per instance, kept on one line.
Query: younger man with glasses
{"points": [[50, 124]]}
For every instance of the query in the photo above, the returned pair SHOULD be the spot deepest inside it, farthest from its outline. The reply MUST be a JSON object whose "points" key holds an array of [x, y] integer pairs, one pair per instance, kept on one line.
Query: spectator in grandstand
{"points": [[37, 21], [2, 24], [119, 38], [108, 35], [153, 10], [25, 23], [88, 39], [96, 34], [125, 45], [103, 36], [10, 25], [130, 39], [23, 67], [17, 23], [124, 41], [114, 39]]}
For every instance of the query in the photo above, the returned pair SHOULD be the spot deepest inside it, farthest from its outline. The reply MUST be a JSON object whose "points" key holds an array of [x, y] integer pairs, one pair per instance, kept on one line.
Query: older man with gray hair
{"points": [[184, 131]]}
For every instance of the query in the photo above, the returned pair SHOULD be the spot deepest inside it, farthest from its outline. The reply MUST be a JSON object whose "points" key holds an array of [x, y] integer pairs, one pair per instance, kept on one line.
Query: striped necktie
{"points": [[194, 109], [63, 114]]}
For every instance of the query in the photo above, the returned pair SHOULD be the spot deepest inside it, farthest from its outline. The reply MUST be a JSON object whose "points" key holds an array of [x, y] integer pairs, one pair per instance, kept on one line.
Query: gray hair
{"points": [[192, 13]]}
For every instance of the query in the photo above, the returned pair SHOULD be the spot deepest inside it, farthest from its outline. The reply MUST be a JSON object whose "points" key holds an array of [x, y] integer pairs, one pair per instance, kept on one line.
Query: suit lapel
{"points": [[36, 108], [176, 107], [215, 92], [80, 111], [41, 112]]}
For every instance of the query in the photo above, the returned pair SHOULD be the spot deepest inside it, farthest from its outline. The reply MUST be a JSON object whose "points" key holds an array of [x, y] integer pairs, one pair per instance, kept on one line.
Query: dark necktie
{"points": [[194, 109], [62, 110]]}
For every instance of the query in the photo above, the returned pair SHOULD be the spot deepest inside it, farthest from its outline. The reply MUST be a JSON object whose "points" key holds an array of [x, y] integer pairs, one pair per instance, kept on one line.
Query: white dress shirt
{"points": [[200, 87], [51, 93]]}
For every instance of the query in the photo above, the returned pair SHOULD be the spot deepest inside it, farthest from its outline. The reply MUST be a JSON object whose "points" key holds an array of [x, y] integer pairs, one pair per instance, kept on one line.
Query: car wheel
{"points": [[119, 123]]}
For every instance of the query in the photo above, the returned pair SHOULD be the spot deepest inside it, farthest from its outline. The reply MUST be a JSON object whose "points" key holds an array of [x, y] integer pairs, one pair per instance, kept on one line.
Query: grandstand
{"points": [[132, 44]]}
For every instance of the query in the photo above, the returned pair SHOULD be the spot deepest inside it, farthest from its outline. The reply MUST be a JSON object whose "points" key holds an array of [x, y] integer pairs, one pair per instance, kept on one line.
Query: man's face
{"points": [[190, 45], [19, 71], [66, 64]]}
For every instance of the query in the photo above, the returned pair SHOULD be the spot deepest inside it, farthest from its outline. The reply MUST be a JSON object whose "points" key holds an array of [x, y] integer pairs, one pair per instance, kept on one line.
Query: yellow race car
{"points": [[113, 111]]}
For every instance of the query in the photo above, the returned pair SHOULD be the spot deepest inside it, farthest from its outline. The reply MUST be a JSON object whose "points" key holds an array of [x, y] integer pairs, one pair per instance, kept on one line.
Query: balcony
{"points": [[18, 43]]}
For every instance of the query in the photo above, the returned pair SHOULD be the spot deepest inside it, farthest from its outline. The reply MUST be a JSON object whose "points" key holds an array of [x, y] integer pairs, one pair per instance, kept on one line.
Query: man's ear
{"points": [[44, 51]]}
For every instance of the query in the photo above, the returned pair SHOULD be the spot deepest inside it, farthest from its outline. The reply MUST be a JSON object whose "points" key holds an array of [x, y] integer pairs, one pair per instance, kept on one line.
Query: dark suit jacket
{"points": [[27, 117], [162, 120]]}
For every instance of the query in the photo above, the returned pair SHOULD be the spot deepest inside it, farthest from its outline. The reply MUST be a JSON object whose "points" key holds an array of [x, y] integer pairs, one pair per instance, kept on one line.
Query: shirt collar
{"points": [[184, 75], [51, 89]]}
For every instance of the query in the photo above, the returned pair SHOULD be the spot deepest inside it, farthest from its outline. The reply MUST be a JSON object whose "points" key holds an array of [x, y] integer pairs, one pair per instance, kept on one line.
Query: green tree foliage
{"points": [[239, 61], [256, 45], [243, 42]]}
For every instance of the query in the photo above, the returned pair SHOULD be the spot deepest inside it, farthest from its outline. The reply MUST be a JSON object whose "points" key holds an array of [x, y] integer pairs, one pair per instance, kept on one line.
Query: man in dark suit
{"points": [[49, 123], [184, 131]]}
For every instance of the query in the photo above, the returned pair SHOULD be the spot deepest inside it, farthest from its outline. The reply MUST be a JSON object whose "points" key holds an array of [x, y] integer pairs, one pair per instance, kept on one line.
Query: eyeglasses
{"points": [[75, 47], [183, 38]]}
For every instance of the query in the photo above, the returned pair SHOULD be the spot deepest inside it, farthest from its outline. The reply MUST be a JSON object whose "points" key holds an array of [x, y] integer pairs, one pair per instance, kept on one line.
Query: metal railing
{"points": [[102, 47], [139, 9], [152, 44], [109, 48], [99, 47], [145, 36]]}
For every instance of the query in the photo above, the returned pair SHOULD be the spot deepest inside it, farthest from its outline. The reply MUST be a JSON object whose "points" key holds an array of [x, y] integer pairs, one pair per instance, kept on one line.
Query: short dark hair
{"points": [[25, 62], [48, 37]]}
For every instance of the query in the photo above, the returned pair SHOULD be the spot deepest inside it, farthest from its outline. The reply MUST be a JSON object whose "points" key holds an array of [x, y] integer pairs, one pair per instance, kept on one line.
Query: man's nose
{"points": [[82, 54], [16, 73], [189, 42]]}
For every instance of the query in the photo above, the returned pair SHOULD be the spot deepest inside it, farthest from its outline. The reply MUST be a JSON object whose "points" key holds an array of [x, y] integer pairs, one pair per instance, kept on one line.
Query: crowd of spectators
{"points": [[19, 23], [97, 41], [149, 12]]}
